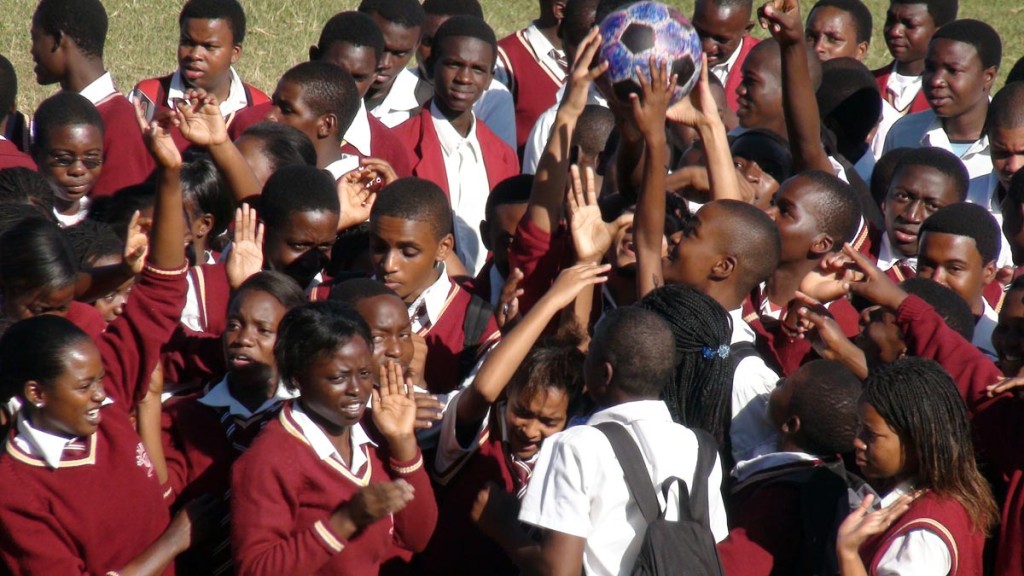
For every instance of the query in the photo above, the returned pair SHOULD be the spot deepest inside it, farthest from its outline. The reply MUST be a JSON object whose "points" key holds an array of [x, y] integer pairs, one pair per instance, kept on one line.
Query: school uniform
{"points": [[91, 505], [401, 102], [578, 488], [901, 95], [126, 161], [495, 106], [462, 471], [87, 318], [292, 479], [996, 422], [540, 256], [730, 72], [161, 93], [466, 168], [537, 140], [750, 432], [438, 315], [984, 328], [68, 220], [533, 70], [11, 157]]}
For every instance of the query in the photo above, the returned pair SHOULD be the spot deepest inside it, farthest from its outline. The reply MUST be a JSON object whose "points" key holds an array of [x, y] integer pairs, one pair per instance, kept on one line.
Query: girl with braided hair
{"points": [[914, 446], [700, 394]]}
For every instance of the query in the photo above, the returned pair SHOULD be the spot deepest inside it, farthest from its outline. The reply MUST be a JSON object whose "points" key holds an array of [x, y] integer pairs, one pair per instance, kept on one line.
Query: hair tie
{"points": [[710, 353]]}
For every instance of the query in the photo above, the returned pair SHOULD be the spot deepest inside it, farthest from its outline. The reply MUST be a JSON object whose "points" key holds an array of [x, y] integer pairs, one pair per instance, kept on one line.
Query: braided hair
{"points": [[918, 399], [700, 394]]}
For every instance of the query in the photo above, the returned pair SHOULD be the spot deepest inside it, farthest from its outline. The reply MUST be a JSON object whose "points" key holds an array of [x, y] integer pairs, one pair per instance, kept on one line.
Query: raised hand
{"points": [[698, 108], [782, 20], [583, 74], [394, 405], [591, 235], [199, 119], [826, 337], [379, 173], [507, 312], [246, 256], [861, 524], [574, 280], [157, 136], [356, 194], [651, 105], [873, 285], [136, 245]]}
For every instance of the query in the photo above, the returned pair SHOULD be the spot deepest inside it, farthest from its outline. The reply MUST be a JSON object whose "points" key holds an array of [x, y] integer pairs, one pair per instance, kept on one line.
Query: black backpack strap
{"points": [[478, 314], [634, 469]]}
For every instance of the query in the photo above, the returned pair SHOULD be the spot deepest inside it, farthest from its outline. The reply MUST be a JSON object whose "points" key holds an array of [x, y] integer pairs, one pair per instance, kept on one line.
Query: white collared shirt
{"points": [[468, 188], [721, 71], [42, 444], [578, 487], [66, 220], [322, 445], [752, 384], [542, 49], [541, 132], [342, 166], [220, 397], [430, 303], [918, 552], [400, 103], [887, 257], [358, 132], [983, 330], [235, 101], [99, 89], [904, 90]]}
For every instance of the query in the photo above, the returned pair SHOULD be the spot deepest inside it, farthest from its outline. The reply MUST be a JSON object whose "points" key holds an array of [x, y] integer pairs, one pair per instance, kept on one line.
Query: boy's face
{"points": [[908, 30], [1008, 336], [759, 95], [721, 29], [390, 329], [48, 56], [206, 51], [400, 44], [955, 81], [499, 231], [301, 247], [691, 261], [1007, 150], [880, 337], [72, 160], [833, 34], [430, 26], [290, 108], [793, 212], [954, 262], [360, 61], [532, 416], [406, 253], [463, 68], [251, 334], [915, 193]]}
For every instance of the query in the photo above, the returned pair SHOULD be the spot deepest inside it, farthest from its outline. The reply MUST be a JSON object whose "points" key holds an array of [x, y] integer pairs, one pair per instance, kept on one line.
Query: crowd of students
{"points": [[395, 319]]}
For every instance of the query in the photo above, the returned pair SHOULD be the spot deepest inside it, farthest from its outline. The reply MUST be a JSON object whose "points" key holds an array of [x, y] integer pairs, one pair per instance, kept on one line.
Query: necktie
{"points": [[560, 58]]}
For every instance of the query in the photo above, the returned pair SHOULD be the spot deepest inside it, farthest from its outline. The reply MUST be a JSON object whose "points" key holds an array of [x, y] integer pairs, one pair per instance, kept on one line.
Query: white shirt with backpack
{"points": [[578, 487]]}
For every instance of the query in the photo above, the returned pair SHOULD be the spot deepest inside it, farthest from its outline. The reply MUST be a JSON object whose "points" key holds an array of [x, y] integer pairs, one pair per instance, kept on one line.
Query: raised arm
{"points": [[649, 222]]}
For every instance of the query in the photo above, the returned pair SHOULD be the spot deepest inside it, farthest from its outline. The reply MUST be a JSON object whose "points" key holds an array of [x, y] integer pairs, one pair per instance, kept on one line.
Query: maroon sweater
{"points": [[11, 157], [126, 161], [920, 103], [445, 338], [283, 495], [103, 505], [998, 422], [532, 85]]}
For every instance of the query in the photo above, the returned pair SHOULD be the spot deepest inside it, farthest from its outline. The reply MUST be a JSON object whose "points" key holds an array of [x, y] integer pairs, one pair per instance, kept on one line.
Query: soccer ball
{"points": [[631, 35]]}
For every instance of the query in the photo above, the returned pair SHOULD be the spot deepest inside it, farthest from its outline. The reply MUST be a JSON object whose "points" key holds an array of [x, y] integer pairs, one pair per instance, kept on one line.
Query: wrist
{"points": [[403, 447]]}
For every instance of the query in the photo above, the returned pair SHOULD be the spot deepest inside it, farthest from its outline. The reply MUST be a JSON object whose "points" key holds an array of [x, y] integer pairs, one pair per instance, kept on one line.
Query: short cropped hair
{"points": [[859, 13], [355, 28], [454, 8], [295, 189], [577, 20], [970, 220], [417, 200], [354, 291], [730, 4], [8, 87], [64, 109], [327, 89], [638, 345], [947, 303], [825, 396], [284, 145], [983, 37], [512, 190], [755, 241], [942, 11], [405, 13], [84, 21], [1007, 108], [593, 127], [940, 160], [469, 26], [229, 10], [836, 206], [282, 287]]}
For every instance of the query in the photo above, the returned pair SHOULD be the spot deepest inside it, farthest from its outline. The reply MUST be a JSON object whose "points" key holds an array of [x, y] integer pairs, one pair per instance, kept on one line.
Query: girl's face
{"points": [[251, 333], [72, 160], [390, 328], [533, 415], [336, 385], [70, 404], [112, 304], [880, 453], [36, 302]]}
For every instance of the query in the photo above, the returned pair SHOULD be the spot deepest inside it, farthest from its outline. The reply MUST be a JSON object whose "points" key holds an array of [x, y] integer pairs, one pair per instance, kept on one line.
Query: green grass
{"points": [[143, 35]]}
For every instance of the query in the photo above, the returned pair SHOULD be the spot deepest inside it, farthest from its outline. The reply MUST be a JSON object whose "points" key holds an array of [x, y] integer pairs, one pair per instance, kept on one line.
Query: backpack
{"points": [[478, 316], [685, 547]]}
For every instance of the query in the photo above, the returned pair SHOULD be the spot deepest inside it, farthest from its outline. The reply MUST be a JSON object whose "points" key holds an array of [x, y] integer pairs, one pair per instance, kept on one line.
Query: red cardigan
{"points": [[732, 82], [920, 103], [943, 517], [103, 506], [533, 87], [126, 161], [417, 134], [444, 371], [998, 423], [283, 496], [11, 157]]}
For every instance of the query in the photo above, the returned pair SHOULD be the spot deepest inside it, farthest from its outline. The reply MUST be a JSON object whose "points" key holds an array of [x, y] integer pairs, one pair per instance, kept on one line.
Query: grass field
{"points": [[143, 35]]}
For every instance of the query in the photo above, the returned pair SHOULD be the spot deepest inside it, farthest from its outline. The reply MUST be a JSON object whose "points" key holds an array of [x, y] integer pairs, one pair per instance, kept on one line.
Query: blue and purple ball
{"points": [[631, 35]]}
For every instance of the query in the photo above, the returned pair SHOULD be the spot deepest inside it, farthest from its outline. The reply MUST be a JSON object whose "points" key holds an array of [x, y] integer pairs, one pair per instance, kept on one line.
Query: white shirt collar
{"points": [[450, 138], [935, 136], [346, 164], [887, 256], [984, 328], [741, 331], [42, 444], [100, 89], [632, 411], [433, 299], [358, 133], [401, 97], [322, 444], [902, 488], [903, 88], [220, 397], [542, 48], [722, 70], [236, 93]]}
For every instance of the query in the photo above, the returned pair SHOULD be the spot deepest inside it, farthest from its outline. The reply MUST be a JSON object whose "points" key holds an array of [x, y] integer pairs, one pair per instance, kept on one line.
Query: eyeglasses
{"points": [[67, 160]]}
